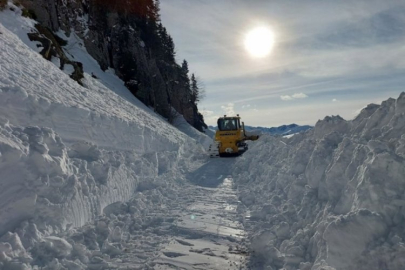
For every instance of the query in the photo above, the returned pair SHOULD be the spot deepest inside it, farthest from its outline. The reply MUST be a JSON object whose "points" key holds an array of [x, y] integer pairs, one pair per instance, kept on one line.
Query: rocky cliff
{"points": [[126, 36]]}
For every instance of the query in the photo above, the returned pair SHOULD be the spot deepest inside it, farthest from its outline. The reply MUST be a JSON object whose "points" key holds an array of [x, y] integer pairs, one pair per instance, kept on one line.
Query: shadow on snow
{"points": [[212, 173]]}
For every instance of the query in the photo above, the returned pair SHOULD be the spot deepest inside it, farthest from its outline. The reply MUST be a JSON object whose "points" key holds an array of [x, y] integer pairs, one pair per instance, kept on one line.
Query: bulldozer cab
{"points": [[228, 123], [230, 138]]}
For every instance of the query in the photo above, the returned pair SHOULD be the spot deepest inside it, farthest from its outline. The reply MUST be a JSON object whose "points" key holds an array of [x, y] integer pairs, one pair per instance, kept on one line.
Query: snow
{"points": [[90, 178], [68, 153], [67, 68], [204, 139], [208, 234], [19, 25], [56, 62], [285, 130], [77, 52], [330, 198], [210, 133], [54, 100]]}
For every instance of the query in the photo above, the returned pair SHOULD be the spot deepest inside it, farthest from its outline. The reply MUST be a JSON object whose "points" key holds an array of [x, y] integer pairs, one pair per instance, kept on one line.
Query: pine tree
{"points": [[166, 44], [170, 53], [184, 74], [184, 67], [194, 89]]}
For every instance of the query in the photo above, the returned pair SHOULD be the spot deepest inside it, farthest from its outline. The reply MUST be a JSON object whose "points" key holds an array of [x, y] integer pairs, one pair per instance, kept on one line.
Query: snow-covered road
{"points": [[200, 229], [208, 234]]}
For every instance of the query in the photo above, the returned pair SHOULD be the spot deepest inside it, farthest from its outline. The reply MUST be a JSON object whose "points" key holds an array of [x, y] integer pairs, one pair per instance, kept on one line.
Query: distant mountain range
{"points": [[281, 130]]}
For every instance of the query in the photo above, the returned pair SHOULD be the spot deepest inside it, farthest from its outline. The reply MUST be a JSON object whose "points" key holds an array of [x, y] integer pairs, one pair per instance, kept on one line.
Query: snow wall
{"points": [[330, 198], [67, 151]]}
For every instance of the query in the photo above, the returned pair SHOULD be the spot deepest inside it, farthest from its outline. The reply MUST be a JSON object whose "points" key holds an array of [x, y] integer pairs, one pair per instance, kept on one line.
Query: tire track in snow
{"points": [[208, 234]]}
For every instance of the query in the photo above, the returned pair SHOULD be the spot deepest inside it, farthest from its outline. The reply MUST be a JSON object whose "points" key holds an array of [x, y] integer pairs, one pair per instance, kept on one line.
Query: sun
{"points": [[259, 42]]}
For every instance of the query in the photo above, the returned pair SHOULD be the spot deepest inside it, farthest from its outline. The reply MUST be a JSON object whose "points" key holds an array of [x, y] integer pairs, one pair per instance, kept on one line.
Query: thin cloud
{"points": [[335, 100], [206, 113], [299, 95], [286, 98], [295, 96], [229, 109], [209, 116]]}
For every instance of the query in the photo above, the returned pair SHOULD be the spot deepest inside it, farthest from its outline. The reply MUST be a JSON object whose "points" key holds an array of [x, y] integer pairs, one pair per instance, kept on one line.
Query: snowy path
{"points": [[197, 227], [208, 234]]}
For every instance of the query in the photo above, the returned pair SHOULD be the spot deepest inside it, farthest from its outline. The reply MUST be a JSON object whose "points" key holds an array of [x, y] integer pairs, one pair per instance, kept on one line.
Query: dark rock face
{"points": [[52, 48], [137, 48]]}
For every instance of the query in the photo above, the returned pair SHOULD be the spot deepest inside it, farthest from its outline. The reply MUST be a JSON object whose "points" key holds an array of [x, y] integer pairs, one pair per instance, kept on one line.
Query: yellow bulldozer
{"points": [[230, 138]]}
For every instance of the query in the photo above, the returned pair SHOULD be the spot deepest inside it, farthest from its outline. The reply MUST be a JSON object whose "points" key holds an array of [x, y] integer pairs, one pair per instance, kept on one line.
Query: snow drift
{"points": [[330, 198], [68, 153]]}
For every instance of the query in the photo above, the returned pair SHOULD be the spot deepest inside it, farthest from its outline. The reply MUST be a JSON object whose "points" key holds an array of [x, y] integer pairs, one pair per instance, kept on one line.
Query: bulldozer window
{"points": [[227, 124]]}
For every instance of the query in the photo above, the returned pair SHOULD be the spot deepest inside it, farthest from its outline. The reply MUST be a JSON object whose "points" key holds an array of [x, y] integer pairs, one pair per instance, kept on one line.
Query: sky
{"points": [[329, 57]]}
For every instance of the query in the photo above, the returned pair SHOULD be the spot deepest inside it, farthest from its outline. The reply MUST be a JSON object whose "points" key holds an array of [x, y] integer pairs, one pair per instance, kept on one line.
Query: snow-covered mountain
{"points": [[281, 130]]}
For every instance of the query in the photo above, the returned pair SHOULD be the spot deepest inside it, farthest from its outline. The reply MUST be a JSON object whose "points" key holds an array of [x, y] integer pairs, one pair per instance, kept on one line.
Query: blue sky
{"points": [[329, 57]]}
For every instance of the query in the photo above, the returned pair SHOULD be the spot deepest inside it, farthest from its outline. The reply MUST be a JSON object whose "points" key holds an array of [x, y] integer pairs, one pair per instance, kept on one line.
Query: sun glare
{"points": [[259, 42]]}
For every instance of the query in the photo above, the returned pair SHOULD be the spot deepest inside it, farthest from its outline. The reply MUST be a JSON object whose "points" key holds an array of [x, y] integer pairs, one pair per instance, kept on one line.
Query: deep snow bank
{"points": [[67, 152], [204, 139], [331, 198]]}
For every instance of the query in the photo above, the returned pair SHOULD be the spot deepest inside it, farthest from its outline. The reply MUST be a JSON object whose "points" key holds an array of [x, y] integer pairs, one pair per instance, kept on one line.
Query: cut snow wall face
{"points": [[45, 181], [67, 152], [339, 189]]}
